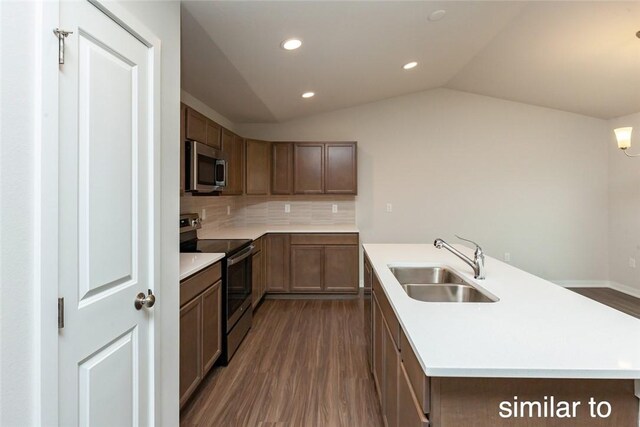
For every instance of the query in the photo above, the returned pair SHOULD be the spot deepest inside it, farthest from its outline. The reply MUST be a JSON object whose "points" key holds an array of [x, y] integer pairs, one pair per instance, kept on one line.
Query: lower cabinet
{"points": [[276, 247], [200, 328], [307, 268], [409, 412]]}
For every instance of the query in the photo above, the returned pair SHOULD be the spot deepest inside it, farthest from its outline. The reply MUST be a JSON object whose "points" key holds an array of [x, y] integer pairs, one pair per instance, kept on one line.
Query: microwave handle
{"points": [[224, 168]]}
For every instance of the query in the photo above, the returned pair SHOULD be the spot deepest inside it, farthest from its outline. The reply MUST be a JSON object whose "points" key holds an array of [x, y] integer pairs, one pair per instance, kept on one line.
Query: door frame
{"points": [[46, 236]]}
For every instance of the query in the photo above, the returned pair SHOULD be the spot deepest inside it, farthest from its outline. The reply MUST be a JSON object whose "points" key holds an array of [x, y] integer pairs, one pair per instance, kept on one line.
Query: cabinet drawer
{"points": [[418, 381], [324, 239], [387, 311], [199, 282], [409, 411]]}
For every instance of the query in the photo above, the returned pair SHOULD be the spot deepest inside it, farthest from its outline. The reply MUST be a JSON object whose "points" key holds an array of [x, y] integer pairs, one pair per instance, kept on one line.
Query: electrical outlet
{"points": [[632, 262], [228, 210], [334, 208], [507, 257], [389, 207], [203, 215], [287, 208]]}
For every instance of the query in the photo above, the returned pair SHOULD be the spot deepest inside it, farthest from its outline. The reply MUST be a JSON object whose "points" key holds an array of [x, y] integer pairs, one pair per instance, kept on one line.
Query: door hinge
{"points": [[61, 34], [60, 313]]}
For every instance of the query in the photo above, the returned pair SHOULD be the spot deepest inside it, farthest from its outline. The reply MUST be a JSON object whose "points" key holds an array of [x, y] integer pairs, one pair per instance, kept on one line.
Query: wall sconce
{"points": [[623, 135]]}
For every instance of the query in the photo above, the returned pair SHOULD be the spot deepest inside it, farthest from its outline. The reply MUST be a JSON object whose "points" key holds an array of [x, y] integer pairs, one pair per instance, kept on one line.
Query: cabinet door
{"points": [[341, 268], [368, 274], [277, 260], [409, 412], [391, 362], [183, 136], [256, 279], [308, 168], [233, 148], [282, 168], [257, 167], [196, 126], [211, 326], [340, 176], [306, 268], [190, 348], [378, 348], [214, 134]]}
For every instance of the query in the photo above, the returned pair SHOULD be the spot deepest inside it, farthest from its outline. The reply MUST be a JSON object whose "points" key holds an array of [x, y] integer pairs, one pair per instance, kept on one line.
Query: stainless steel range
{"points": [[236, 281]]}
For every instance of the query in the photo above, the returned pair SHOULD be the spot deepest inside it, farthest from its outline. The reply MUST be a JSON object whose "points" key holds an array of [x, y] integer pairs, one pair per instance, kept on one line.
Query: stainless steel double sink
{"points": [[438, 284]]}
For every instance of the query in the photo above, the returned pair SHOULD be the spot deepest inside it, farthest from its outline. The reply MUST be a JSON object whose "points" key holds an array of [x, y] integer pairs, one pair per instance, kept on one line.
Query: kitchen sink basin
{"points": [[438, 284]]}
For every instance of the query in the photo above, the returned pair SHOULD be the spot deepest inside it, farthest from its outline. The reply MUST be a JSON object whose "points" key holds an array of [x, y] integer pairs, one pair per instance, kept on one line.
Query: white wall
{"points": [[516, 178], [624, 206], [18, 374]]}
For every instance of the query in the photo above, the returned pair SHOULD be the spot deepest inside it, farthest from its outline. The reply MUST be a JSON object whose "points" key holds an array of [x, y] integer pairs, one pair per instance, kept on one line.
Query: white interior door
{"points": [[106, 222]]}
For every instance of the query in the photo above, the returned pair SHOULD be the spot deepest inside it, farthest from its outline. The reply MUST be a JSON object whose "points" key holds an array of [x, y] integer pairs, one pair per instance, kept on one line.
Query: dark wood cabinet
{"points": [[308, 168], [341, 268], [196, 126], [277, 257], [377, 343], [281, 168], [214, 135], [211, 326], [200, 327], [391, 366], [190, 348], [257, 167], [340, 168], [257, 273], [233, 150], [307, 268]]}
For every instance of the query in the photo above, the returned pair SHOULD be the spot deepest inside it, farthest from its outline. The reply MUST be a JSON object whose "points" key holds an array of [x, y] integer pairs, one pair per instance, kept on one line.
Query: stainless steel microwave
{"points": [[205, 168]]}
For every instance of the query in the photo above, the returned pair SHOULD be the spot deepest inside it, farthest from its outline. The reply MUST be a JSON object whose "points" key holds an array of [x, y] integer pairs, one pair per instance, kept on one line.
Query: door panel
{"points": [[211, 326], [282, 168], [341, 268], [277, 262], [308, 168], [106, 222], [109, 385], [340, 168]]}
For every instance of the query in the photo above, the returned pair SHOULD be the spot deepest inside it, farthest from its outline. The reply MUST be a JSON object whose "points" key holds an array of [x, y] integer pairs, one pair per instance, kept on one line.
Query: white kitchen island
{"points": [[536, 340]]}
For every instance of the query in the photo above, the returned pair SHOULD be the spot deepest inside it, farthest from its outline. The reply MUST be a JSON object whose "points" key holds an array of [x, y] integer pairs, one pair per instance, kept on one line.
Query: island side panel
{"points": [[475, 402]]}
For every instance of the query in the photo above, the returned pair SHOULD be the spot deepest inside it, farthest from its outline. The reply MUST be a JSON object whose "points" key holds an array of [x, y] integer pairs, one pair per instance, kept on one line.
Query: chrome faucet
{"points": [[478, 256]]}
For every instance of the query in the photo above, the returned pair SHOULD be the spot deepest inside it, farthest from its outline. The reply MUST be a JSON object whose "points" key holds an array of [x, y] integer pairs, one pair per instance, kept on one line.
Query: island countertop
{"points": [[537, 329]]}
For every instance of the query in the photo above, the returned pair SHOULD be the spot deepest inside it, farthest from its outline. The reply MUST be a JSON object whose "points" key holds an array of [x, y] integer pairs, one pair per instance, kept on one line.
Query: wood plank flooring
{"points": [[615, 299], [304, 363]]}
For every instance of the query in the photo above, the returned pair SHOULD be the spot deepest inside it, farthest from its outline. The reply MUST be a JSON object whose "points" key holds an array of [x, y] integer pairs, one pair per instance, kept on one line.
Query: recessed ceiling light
{"points": [[410, 65], [437, 15], [308, 94], [291, 44]]}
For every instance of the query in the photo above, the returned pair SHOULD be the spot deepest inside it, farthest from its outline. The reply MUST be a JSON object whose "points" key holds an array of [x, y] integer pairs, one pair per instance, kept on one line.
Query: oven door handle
{"points": [[240, 256]]}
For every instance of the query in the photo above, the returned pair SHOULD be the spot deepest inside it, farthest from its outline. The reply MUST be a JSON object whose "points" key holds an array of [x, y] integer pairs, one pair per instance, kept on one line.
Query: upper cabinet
{"points": [[340, 168], [257, 167], [233, 150], [325, 168], [281, 168], [308, 168], [201, 129]]}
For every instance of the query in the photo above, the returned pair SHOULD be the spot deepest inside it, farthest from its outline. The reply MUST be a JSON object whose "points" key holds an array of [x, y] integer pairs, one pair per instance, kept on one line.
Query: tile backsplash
{"points": [[225, 211]]}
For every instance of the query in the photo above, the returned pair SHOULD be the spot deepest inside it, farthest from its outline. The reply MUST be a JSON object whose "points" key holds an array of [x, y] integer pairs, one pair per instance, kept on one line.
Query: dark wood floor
{"points": [[616, 299], [304, 363]]}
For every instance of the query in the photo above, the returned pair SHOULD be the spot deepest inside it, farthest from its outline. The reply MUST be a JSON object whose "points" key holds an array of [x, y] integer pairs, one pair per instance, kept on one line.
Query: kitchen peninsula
{"points": [[464, 363]]}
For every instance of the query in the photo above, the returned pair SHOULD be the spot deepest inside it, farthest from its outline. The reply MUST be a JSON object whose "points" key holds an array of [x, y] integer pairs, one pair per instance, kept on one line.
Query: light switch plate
{"points": [[287, 208], [334, 208], [203, 215], [507, 257], [632, 262], [389, 207], [228, 210]]}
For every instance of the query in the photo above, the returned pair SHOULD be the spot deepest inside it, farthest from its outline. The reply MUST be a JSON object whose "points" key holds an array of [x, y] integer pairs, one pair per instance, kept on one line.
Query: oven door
{"points": [[206, 170], [238, 285]]}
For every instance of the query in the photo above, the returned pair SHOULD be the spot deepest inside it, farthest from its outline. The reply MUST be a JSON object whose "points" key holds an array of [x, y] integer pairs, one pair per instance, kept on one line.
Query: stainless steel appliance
{"points": [[205, 168], [237, 314]]}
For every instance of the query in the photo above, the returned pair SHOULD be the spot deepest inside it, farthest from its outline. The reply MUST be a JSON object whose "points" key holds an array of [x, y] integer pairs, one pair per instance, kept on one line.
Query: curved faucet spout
{"points": [[478, 259]]}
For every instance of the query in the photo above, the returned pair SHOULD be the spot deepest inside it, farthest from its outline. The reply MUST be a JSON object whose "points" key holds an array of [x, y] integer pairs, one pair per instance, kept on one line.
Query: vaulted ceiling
{"points": [[582, 57]]}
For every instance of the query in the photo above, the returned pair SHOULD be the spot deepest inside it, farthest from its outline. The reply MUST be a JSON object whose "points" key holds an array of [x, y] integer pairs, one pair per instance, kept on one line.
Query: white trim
{"points": [[634, 292]]}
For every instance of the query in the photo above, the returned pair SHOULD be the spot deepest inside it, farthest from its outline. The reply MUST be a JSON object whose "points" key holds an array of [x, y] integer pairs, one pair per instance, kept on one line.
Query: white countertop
{"points": [[191, 263], [537, 329], [253, 232]]}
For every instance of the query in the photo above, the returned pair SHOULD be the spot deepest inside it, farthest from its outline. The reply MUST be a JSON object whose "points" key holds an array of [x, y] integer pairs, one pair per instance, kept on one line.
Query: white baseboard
{"points": [[635, 292]]}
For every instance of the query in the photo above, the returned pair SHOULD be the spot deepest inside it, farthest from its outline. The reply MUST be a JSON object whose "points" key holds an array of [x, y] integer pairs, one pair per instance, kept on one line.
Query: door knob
{"points": [[142, 300]]}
